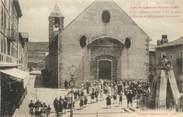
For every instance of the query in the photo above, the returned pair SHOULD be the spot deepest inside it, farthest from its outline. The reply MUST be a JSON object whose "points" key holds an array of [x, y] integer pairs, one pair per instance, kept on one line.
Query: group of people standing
{"points": [[61, 105], [113, 92], [39, 109]]}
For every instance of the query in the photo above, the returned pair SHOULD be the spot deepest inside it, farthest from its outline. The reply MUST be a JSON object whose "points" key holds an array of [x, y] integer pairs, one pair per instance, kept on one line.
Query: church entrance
{"points": [[104, 69], [105, 58]]}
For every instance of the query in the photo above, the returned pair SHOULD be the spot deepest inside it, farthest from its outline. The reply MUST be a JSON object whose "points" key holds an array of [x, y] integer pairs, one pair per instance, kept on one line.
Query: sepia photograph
{"points": [[91, 58]]}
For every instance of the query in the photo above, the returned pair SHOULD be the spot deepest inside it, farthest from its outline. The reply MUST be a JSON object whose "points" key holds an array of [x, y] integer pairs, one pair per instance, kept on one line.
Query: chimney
{"points": [[164, 39]]}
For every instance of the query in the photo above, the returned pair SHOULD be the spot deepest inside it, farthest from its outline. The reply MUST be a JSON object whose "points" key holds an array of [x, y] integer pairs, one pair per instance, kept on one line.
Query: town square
{"points": [[91, 58]]}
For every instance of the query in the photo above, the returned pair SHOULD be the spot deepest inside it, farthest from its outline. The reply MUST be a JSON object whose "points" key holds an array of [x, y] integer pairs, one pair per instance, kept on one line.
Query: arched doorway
{"points": [[105, 58]]}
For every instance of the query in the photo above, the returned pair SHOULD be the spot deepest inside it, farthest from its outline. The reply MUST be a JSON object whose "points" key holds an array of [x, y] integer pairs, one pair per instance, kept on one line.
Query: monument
{"points": [[164, 88]]}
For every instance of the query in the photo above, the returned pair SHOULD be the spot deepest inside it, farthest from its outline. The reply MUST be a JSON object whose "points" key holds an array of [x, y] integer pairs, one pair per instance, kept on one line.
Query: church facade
{"points": [[103, 42]]}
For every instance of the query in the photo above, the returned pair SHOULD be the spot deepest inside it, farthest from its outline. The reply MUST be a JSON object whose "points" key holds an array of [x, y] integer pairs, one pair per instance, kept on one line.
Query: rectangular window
{"points": [[5, 45], [2, 18], [2, 43]]}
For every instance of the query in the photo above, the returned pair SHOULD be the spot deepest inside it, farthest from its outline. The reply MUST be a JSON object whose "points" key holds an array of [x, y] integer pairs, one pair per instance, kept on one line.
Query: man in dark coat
{"points": [[108, 101], [56, 106], [31, 107], [129, 95], [66, 84], [61, 105]]}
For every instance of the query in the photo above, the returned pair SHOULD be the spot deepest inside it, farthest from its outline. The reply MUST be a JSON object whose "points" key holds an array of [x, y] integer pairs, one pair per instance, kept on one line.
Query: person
{"points": [[61, 105], [87, 86], [129, 96], [48, 110], [96, 95], [66, 84], [92, 95], [81, 103], [120, 98], [108, 101], [163, 62], [37, 108], [114, 98], [56, 106], [31, 107], [44, 107], [65, 104], [85, 100]]}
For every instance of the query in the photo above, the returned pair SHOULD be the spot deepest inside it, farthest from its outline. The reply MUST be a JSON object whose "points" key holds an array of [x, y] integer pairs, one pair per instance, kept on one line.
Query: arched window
{"points": [[106, 16], [83, 41]]}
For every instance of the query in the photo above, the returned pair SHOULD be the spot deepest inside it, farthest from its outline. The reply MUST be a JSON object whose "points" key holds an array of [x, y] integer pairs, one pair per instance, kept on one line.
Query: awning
{"points": [[19, 74], [8, 65]]}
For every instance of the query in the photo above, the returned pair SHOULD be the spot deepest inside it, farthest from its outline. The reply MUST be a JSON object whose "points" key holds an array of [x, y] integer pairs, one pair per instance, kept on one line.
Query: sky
{"points": [[36, 12]]}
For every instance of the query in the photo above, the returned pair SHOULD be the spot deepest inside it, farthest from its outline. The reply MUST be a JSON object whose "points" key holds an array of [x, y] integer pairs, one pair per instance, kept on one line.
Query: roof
{"points": [[172, 43], [112, 2], [56, 12]]}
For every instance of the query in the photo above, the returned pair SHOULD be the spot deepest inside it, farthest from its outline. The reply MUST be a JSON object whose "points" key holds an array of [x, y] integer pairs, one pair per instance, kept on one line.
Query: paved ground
{"points": [[92, 110]]}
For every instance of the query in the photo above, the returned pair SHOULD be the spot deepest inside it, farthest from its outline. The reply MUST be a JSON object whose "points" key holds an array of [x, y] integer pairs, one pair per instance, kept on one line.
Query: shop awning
{"points": [[19, 74], [8, 65]]}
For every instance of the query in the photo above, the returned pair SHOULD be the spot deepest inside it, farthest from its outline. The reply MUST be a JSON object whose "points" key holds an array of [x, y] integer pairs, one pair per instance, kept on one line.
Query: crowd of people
{"points": [[39, 109], [113, 92]]}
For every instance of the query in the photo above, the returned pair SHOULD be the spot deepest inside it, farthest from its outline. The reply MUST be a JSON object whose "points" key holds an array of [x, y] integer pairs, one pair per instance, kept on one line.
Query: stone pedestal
{"points": [[162, 92]]}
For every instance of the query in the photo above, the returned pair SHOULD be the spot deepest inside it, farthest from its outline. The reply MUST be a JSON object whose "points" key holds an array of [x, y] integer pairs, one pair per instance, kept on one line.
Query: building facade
{"points": [[13, 57], [11, 42], [103, 42]]}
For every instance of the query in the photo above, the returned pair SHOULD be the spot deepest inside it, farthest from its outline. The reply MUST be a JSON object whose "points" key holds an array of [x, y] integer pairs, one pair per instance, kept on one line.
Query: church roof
{"points": [[56, 12], [103, 3], [173, 43]]}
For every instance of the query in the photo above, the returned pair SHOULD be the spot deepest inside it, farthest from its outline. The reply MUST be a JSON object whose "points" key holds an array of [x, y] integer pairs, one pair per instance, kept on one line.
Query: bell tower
{"points": [[56, 26]]}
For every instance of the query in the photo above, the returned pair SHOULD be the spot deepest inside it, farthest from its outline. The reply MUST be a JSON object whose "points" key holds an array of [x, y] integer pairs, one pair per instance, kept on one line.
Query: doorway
{"points": [[104, 69]]}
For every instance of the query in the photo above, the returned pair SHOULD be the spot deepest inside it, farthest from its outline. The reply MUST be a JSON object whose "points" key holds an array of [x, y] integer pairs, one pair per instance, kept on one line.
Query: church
{"points": [[102, 42]]}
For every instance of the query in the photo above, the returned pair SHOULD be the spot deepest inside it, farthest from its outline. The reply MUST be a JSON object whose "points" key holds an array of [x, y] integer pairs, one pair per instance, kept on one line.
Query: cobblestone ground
{"points": [[98, 109]]}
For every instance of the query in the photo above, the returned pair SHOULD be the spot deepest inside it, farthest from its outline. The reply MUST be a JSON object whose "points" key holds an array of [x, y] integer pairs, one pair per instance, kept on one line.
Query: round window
{"points": [[106, 16]]}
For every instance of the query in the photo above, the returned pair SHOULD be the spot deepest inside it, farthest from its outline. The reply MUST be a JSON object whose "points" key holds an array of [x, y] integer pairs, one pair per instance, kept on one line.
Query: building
{"points": [[174, 52], [37, 52], [13, 57], [103, 42], [152, 61]]}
